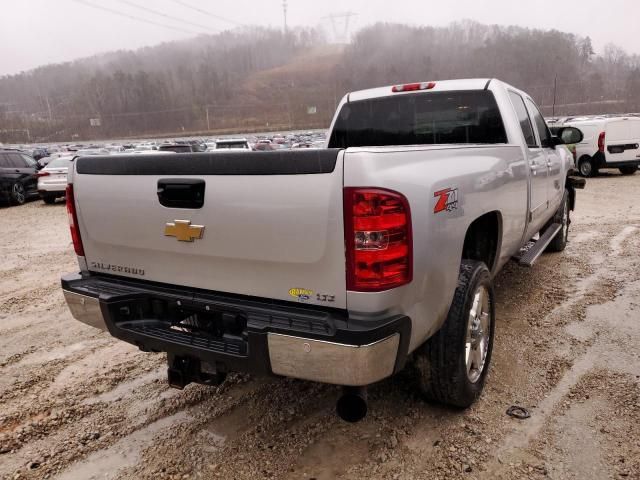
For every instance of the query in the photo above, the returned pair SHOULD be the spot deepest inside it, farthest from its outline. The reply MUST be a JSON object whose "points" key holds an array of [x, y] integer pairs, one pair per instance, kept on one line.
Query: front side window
{"points": [[457, 117], [29, 161], [541, 125]]}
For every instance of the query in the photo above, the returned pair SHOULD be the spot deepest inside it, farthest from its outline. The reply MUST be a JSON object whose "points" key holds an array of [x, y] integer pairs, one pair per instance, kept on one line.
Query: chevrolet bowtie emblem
{"points": [[184, 231]]}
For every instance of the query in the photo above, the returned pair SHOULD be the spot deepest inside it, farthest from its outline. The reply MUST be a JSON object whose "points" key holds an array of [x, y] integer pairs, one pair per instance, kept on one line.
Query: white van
{"points": [[608, 143]]}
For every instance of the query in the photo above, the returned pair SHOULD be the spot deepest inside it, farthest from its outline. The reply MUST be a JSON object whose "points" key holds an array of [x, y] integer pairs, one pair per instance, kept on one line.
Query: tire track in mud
{"points": [[598, 352]]}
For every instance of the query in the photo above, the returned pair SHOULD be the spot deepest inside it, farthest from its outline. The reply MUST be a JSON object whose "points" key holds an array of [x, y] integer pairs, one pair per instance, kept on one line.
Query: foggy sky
{"points": [[38, 32]]}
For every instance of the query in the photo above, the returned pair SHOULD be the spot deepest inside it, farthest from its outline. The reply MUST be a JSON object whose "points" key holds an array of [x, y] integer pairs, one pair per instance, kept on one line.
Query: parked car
{"points": [[39, 153], [236, 144], [608, 143], [52, 179], [336, 265], [177, 148], [18, 177]]}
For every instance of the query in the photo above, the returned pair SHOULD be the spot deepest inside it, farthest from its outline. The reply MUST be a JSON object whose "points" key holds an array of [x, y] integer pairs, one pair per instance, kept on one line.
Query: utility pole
{"points": [[284, 12], [555, 87], [49, 108], [208, 127]]}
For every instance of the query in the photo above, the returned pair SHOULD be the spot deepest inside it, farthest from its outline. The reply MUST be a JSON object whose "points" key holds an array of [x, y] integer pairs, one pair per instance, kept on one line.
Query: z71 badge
{"points": [[447, 200]]}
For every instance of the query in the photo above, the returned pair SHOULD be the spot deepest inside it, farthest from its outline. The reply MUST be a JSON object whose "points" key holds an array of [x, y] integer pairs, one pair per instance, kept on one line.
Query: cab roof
{"points": [[439, 86]]}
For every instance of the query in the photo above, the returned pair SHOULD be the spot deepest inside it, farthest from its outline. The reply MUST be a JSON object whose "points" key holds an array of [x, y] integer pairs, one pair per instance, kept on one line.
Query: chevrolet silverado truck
{"points": [[338, 265]]}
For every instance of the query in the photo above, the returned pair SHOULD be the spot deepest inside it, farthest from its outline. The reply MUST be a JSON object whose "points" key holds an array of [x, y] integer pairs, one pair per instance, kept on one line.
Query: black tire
{"points": [[49, 199], [440, 364], [586, 167], [629, 170], [18, 194], [563, 216]]}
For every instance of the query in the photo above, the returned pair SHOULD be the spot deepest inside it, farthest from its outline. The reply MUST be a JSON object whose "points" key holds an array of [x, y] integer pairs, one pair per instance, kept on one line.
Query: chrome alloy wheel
{"points": [[478, 334], [18, 193]]}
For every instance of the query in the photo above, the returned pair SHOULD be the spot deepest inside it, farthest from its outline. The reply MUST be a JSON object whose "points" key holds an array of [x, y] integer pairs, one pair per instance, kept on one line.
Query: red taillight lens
{"points": [[601, 138], [412, 87], [73, 221], [43, 174], [377, 225]]}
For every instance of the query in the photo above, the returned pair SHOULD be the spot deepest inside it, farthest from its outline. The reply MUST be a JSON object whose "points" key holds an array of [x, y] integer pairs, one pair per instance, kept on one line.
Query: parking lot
{"points": [[76, 404]]}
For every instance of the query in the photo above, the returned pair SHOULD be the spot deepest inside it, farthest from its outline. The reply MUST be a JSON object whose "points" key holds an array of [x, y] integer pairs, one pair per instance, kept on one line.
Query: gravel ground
{"points": [[76, 404]]}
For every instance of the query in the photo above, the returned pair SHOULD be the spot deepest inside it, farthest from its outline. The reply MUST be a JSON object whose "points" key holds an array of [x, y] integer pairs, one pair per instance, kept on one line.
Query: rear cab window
{"points": [[456, 117], [59, 163]]}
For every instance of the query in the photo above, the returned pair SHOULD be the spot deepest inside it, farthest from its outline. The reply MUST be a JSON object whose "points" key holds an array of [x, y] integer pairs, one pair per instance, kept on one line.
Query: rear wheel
{"points": [[452, 365], [586, 168], [18, 193], [559, 242], [49, 199], [629, 170]]}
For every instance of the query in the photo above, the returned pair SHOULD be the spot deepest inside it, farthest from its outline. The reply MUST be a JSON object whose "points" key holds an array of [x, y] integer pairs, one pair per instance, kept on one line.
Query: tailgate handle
{"points": [[181, 192]]}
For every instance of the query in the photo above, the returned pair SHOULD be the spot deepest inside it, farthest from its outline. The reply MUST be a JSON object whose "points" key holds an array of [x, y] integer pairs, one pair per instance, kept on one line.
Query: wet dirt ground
{"points": [[77, 404]]}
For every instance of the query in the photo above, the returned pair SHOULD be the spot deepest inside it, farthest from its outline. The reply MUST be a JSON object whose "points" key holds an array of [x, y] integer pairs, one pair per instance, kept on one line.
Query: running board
{"points": [[532, 251]]}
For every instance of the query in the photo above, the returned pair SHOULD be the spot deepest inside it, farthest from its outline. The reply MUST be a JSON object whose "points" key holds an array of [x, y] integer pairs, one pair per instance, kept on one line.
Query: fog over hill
{"points": [[257, 79]]}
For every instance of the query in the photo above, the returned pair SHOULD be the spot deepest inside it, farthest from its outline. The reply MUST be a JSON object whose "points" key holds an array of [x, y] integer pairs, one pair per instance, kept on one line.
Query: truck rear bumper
{"points": [[246, 334]]}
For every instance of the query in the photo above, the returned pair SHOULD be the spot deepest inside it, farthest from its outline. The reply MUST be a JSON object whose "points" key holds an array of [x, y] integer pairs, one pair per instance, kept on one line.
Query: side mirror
{"points": [[568, 136]]}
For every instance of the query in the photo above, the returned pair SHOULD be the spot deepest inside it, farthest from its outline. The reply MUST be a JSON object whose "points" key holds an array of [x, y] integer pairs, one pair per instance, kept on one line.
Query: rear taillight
{"points": [[378, 240], [43, 174], [601, 138], [412, 87], [73, 221]]}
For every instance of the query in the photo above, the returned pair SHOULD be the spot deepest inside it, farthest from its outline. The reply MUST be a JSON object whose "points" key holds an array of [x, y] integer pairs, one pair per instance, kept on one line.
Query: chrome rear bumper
{"points": [[85, 309], [329, 362]]}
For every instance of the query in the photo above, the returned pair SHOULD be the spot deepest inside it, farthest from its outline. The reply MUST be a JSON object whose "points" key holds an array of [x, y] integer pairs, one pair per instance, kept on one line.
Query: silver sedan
{"points": [[52, 179]]}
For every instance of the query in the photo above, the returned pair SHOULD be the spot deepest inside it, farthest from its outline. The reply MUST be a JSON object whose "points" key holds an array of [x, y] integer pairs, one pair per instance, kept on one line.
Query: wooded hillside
{"points": [[258, 79]]}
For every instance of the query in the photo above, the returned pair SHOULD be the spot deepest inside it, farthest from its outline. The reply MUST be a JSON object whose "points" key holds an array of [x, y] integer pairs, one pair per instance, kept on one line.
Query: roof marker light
{"points": [[412, 87]]}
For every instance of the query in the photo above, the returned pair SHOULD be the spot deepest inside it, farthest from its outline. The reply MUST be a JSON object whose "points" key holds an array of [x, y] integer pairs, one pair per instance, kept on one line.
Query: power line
{"points": [[136, 18], [160, 14], [205, 12]]}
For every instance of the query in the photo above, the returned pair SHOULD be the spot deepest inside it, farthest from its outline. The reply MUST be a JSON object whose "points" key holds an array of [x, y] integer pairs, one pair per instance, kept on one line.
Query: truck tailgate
{"points": [[272, 221]]}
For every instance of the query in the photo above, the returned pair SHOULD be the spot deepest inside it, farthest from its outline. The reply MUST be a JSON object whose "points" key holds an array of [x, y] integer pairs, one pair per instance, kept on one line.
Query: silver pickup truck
{"points": [[337, 265]]}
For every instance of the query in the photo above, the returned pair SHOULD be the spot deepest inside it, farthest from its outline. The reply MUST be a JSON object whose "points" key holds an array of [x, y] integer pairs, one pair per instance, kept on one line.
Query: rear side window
{"points": [[16, 160], [523, 118], [420, 119], [4, 161]]}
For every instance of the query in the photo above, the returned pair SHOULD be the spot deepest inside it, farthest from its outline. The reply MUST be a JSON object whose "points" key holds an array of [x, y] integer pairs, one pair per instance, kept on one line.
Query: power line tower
{"points": [[340, 25], [284, 13]]}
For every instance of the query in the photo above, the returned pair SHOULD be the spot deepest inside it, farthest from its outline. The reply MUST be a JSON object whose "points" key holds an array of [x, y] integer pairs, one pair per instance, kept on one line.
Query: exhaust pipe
{"points": [[352, 404]]}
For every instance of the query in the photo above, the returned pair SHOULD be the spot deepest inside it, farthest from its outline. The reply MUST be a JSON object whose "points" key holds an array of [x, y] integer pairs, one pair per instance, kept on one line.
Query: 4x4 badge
{"points": [[184, 231]]}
